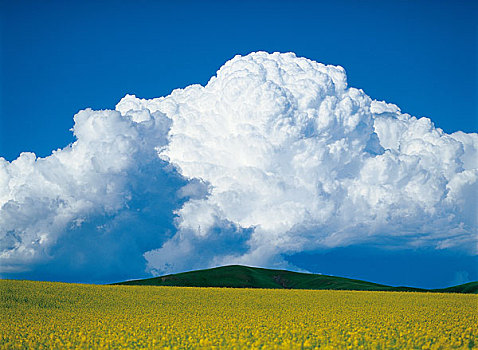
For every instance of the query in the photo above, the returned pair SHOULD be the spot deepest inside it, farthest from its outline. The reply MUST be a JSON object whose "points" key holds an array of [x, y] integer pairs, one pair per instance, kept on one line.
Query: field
{"points": [[41, 315]]}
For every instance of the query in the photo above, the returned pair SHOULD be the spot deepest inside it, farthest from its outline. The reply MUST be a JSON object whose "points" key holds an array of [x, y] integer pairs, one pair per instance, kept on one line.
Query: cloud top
{"points": [[278, 155]]}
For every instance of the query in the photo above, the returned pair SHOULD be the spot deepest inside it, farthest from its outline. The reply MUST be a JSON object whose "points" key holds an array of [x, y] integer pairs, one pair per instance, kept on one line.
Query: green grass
{"points": [[236, 276], [471, 287]]}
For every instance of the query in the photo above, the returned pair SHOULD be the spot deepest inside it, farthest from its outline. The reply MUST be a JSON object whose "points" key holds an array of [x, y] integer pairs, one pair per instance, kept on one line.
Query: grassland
{"points": [[237, 276], [41, 315]]}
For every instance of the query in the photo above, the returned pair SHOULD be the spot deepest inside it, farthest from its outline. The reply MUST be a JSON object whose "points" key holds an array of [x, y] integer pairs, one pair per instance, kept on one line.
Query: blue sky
{"points": [[62, 57]]}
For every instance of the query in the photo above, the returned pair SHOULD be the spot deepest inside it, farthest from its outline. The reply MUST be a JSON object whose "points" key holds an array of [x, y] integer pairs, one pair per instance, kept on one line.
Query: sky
{"points": [[132, 194]]}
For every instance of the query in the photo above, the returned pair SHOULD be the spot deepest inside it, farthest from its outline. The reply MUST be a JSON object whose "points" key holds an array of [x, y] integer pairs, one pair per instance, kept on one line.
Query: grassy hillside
{"points": [[471, 287], [236, 276]]}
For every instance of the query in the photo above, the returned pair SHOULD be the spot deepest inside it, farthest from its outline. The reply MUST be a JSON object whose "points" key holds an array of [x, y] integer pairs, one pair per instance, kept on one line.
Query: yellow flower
{"points": [[36, 315]]}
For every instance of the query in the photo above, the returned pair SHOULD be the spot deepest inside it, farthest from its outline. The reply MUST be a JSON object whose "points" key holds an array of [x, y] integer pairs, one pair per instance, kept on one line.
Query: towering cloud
{"points": [[275, 155]]}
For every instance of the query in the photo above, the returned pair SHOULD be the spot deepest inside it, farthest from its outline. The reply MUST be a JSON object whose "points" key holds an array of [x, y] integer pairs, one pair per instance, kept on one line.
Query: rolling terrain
{"points": [[237, 276]]}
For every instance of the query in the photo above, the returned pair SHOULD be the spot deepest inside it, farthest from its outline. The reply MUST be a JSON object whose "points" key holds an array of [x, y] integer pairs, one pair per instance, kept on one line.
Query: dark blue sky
{"points": [[58, 57]]}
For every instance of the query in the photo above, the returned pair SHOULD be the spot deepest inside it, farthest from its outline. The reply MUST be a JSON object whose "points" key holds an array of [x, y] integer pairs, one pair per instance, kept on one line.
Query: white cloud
{"points": [[291, 152], [42, 198], [281, 157]]}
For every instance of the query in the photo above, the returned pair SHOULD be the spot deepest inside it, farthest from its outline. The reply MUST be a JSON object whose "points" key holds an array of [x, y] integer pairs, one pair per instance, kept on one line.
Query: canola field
{"points": [[41, 315]]}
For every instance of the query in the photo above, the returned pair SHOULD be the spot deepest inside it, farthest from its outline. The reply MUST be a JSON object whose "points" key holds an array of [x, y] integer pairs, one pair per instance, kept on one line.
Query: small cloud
{"points": [[461, 277]]}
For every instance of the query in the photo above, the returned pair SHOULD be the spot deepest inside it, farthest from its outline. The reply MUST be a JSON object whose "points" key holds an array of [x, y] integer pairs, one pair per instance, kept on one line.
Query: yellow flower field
{"points": [[41, 315]]}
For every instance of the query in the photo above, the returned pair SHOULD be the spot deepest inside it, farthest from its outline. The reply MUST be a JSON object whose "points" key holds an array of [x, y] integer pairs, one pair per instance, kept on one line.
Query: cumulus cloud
{"points": [[277, 155], [85, 184]]}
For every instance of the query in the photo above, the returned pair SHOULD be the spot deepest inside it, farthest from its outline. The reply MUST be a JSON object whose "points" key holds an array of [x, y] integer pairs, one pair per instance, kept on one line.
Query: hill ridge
{"points": [[240, 276]]}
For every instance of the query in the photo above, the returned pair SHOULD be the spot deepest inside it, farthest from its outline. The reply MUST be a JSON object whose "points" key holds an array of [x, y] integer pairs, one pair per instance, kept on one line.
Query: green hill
{"points": [[471, 287], [236, 276]]}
